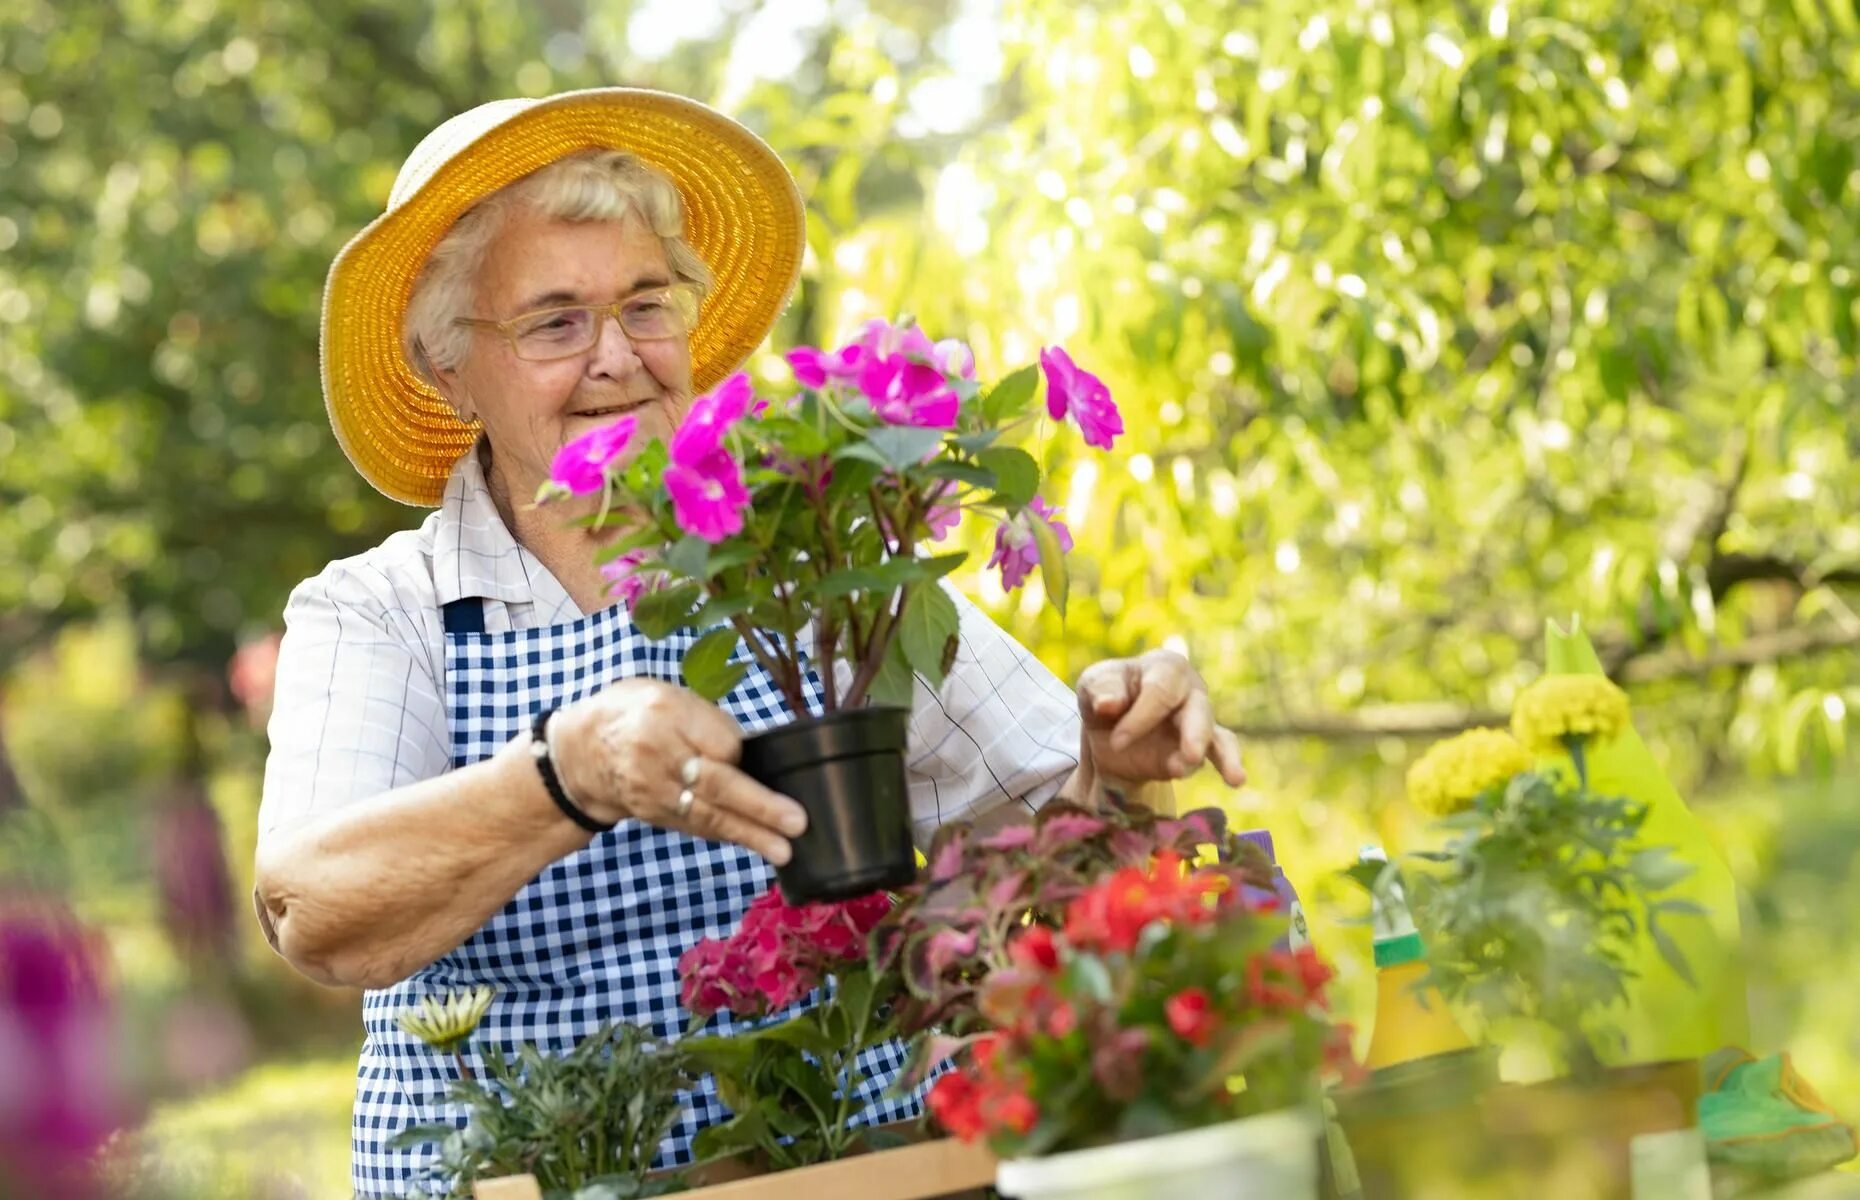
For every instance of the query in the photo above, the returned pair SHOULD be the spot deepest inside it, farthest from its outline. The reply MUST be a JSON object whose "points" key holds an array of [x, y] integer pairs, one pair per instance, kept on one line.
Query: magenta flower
{"points": [[626, 581], [708, 496], [1071, 389], [903, 392], [700, 435], [581, 465], [1016, 551], [814, 368]]}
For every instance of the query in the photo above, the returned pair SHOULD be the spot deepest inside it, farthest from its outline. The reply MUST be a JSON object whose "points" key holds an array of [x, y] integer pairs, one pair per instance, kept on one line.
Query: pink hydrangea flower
{"points": [[708, 496], [1071, 389], [1016, 551], [778, 954], [700, 435], [581, 465]]}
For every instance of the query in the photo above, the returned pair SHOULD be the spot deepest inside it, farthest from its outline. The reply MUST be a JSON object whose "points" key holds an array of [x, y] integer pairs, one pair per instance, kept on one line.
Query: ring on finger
{"points": [[689, 772], [686, 799]]}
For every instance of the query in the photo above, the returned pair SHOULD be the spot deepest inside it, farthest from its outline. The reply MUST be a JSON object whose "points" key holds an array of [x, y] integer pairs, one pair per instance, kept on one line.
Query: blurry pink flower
{"points": [[60, 1095], [1016, 551], [1070, 389], [943, 516], [699, 437], [955, 358], [708, 496], [191, 878], [581, 465], [252, 674]]}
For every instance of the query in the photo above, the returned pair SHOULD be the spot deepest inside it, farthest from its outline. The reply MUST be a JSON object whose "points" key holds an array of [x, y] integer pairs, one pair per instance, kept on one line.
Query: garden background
{"points": [[1430, 320]]}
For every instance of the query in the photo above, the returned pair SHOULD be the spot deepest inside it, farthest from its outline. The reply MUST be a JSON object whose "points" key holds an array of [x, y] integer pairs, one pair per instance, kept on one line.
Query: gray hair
{"points": [[590, 185]]}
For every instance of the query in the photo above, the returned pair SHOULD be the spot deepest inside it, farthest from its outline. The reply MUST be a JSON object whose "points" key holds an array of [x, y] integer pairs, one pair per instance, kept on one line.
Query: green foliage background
{"points": [[1430, 320]]}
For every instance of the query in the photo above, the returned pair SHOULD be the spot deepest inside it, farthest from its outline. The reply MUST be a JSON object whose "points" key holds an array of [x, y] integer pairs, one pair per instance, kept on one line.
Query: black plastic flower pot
{"points": [[847, 770]]}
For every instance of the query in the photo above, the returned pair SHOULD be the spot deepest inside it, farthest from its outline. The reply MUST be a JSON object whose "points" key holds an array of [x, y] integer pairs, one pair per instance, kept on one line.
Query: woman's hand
{"points": [[623, 752], [1148, 719]]}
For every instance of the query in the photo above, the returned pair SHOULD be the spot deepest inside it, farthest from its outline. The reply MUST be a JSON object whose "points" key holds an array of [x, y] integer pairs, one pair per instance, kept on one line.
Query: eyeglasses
{"points": [[552, 333]]}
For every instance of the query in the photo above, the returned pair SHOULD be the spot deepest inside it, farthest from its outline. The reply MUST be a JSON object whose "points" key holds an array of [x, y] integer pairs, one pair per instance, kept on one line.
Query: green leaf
{"points": [[961, 472], [1017, 475], [1669, 950], [803, 1032], [719, 609], [1009, 397], [660, 612], [847, 580], [708, 670], [894, 684], [901, 447], [689, 557], [1657, 869], [929, 621], [978, 441], [938, 565], [1052, 561], [728, 555]]}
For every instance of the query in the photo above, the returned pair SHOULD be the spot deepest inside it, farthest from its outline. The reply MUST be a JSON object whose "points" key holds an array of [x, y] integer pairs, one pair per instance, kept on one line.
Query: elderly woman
{"points": [[544, 266]]}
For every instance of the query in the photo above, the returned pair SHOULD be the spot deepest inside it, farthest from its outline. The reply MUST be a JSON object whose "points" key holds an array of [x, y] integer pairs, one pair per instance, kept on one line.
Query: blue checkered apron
{"points": [[596, 937]]}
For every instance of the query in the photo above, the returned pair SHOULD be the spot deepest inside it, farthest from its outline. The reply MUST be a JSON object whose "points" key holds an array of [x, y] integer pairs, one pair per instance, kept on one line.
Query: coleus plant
{"points": [[766, 518]]}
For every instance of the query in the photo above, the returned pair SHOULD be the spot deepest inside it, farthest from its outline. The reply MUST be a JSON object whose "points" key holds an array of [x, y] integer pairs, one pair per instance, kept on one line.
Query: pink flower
{"points": [[626, 581], [903, 392], [1070, 389], [954, 358], [1016, 551], [699, 436], [814, 368], [581, 465], [708, 496], [944, 515]]}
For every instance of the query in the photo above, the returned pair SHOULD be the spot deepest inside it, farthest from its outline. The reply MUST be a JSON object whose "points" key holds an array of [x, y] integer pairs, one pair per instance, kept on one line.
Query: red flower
{"points": [[1313, 973], [1062, 1020], [1189, 1015], [953, 1101], [1267, 976], [1035, 949], [1013, 1110]]}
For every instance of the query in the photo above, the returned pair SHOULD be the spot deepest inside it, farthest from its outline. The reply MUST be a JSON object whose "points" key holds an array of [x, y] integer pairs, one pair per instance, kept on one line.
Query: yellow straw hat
{"points": [[743, 217]]}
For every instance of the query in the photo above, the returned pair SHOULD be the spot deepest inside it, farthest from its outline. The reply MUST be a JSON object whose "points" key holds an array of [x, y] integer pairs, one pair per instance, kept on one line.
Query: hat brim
{"points": [[743, 216]]}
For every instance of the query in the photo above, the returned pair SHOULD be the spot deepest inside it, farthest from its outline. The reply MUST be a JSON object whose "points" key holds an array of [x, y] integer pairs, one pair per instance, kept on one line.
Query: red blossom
{"points": [[1035, 949], [1190, 1015], [1269, 977]]}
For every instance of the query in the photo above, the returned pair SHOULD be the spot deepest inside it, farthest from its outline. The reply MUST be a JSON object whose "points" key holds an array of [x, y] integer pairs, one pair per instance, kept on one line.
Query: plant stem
{"points": [[1575, 746], [465, 1072]]}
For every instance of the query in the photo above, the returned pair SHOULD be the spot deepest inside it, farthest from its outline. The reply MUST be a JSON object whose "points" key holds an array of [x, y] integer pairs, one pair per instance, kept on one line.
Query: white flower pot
{"points": [[1272, 1157]]}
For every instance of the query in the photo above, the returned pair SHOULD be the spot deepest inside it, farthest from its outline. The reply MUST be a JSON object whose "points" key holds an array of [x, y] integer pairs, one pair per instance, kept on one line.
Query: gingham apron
{"points": [[596, 937]]}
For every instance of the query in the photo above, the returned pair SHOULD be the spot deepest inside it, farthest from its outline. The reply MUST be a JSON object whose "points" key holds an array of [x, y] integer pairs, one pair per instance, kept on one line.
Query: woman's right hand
{"points": [[622, 752]]}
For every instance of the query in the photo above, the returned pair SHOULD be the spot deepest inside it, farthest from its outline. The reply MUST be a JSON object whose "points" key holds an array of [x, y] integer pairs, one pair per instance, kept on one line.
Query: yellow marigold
{"points": [[1455, 772], [1559, 707]]}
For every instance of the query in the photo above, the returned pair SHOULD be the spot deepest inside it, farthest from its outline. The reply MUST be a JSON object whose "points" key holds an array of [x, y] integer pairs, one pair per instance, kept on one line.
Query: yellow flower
{"points": [[447, 1024], [1558, 708], [1453, 773]]}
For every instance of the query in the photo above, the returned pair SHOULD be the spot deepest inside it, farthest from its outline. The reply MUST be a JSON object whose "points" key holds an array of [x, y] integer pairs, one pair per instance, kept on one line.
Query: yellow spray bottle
{"points": [[1412, 1020]]}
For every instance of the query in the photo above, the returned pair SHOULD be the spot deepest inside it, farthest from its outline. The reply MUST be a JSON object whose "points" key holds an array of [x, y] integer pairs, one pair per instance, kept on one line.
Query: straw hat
{"points": [[743, 217]]}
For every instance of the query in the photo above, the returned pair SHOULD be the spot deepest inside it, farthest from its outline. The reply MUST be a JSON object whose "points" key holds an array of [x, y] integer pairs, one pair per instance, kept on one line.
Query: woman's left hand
{"points": [[1149, 718]]}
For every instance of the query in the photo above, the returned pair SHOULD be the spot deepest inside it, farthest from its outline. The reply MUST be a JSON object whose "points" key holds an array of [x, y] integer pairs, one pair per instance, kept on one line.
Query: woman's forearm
{"points": [[366, 896]]}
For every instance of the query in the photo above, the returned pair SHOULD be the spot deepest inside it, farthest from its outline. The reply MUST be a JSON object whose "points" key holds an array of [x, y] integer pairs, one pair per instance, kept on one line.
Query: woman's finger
{"points": [[1196, 720], [1224, 752], [726, 789]]}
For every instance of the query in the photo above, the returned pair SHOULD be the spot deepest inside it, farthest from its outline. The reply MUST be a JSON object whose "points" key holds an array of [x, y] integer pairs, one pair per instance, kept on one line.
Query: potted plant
{"points": [[1531, 905], [795, 530], [584, 1125], [1157, 1043]]}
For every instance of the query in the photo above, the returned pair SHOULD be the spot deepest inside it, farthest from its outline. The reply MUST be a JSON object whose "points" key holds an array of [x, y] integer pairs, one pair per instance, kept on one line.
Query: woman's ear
{"points": [[451, 390]]}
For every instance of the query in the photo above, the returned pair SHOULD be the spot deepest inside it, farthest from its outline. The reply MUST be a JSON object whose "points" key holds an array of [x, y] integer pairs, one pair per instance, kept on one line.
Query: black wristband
{"points": [[552, 783]]}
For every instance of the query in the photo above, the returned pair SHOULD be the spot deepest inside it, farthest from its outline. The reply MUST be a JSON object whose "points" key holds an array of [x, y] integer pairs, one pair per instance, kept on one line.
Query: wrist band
{"points": [[552, 783]]}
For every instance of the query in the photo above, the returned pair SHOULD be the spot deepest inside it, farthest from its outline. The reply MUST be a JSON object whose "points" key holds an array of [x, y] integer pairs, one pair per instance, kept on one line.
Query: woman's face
{"points": [[530, 409]]}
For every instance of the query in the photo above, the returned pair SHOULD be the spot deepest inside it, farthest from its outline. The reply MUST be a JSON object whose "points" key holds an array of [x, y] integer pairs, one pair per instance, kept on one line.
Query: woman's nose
{"points": [[614, 355]]}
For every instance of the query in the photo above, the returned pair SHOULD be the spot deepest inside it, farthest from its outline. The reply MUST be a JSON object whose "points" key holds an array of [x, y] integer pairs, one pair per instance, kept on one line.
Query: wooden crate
{"points": [[945, 1169]]}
